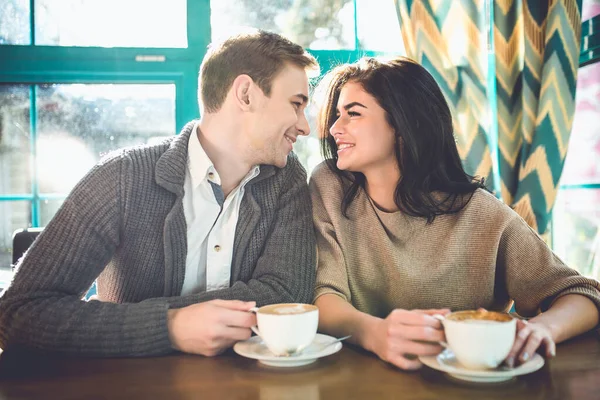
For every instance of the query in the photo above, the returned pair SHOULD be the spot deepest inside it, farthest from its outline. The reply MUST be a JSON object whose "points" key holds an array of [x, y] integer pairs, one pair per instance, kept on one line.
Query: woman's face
{"points": [[365, 140]]}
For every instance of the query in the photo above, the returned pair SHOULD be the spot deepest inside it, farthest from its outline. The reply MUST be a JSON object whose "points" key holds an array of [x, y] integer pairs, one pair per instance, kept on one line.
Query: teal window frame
{"points": [[588, 54], [32, 65]]}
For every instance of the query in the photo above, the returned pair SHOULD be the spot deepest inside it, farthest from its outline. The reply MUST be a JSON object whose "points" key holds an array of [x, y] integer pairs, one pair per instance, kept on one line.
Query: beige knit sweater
{"points": [[484, 256]]}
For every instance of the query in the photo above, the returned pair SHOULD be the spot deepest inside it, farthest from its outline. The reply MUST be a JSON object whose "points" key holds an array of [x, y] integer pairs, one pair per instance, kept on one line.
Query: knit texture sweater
{"points": [[484, 256], [124, 225]]}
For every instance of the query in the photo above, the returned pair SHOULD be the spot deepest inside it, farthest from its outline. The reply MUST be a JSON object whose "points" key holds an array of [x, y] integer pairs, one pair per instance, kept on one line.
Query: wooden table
{"points": [[350, 374]]}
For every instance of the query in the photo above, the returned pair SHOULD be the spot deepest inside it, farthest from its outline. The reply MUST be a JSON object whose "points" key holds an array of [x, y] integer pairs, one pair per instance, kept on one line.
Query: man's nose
{"points": [[303, 126]]}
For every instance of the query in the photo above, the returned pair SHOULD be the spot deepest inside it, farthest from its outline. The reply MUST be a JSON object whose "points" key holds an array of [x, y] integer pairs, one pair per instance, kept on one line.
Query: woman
{"points": [[404, 233]]}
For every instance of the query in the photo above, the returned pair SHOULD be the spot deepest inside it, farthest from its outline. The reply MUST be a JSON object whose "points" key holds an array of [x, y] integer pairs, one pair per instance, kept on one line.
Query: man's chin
{"points": [[281, 163]]}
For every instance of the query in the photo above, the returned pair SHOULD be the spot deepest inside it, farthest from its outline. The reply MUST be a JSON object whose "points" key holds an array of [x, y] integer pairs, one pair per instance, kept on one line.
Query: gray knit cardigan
{"points": [[124, 225]]}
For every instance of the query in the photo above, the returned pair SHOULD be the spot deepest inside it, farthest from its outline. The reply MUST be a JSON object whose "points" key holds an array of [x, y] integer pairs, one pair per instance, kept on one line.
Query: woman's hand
{"points": [[531, 336], [404, 335]]}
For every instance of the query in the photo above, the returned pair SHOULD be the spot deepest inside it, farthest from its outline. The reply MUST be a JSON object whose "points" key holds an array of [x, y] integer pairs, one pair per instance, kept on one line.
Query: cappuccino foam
{"points": [[297, 309]]}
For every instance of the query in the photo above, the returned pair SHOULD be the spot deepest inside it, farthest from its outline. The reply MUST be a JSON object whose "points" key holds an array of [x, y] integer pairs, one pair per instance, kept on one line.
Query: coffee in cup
{"points": [[480, 339], [286, 328]]}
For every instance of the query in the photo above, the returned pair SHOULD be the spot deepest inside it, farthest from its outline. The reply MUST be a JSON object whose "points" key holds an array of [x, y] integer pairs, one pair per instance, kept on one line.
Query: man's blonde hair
{"points": [[258, 54]]}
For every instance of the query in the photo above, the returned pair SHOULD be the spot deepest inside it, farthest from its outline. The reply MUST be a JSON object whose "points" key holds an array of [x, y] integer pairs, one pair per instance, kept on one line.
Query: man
{"points": [[184, 236]]}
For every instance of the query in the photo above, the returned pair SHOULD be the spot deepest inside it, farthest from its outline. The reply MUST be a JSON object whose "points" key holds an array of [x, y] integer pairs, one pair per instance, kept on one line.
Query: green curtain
{"points": [[536, 47]]}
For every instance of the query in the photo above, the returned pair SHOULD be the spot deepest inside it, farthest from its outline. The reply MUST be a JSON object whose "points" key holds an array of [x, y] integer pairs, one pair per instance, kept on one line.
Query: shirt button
{"points": [[211, 175], [217, 248]]}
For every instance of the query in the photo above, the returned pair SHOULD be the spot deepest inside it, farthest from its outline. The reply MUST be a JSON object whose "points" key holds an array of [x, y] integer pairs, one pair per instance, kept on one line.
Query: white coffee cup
{"points": [[286, 328], [480, 339]]}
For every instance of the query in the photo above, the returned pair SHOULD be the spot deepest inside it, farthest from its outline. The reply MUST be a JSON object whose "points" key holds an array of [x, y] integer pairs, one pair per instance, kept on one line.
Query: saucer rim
{"points": [[332, 349], [535, 363]]}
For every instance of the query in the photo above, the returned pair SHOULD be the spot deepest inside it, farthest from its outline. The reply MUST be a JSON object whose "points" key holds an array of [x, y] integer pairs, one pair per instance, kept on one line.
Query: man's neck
{"points": [[221, 147]]}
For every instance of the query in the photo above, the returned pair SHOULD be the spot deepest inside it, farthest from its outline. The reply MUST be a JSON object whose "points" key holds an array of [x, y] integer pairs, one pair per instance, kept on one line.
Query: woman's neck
{"points": [[381, 187]]}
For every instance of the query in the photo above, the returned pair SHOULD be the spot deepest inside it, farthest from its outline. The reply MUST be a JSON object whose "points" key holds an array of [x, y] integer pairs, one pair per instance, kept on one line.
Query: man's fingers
{"points": [[232, 335], [238, 319], [234, 304]]}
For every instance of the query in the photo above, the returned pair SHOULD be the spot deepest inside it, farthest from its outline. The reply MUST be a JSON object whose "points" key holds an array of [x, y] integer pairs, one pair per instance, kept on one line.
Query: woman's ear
{"points": [[241, 90]]}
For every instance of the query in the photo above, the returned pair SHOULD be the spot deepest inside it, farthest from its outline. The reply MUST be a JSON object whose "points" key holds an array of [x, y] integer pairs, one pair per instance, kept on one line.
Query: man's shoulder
{"points": [[140, 153]]}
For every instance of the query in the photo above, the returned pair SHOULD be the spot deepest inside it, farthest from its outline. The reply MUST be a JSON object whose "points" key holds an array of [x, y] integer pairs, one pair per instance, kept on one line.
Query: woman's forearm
{"points": [[569, 316], [339, 318]]}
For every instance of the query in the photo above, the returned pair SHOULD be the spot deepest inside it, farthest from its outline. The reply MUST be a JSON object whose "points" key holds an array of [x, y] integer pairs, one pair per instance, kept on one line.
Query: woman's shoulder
{"points": [[487, 205], [326, 186], [324, 178], [322, 173]]}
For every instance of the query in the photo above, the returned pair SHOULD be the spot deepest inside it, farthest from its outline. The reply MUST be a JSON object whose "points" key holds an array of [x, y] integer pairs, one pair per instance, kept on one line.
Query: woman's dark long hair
{"points": [[433, 181]]}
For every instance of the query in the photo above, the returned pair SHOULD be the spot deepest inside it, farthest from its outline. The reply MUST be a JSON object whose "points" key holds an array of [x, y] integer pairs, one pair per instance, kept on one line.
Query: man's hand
{"points": [[210, 328], [404, 335]]}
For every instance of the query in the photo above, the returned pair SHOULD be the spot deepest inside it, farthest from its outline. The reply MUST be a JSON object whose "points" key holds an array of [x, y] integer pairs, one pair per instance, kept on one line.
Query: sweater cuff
{"points": [[320, 292]]}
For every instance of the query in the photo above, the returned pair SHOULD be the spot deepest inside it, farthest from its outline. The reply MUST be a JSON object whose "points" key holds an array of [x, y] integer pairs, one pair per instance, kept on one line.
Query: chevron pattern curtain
{"points": [[536, 58]]}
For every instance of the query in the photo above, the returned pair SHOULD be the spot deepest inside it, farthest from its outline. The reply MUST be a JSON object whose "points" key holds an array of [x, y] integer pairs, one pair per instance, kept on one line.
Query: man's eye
{"points": [[297, 105]]}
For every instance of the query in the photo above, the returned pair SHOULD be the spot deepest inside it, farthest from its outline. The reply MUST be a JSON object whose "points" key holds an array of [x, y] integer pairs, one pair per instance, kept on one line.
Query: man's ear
{"points": [[241, 90]]}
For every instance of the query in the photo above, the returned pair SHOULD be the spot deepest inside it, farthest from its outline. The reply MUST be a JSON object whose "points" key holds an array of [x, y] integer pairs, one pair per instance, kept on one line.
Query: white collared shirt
{"points": [[210, 226]]}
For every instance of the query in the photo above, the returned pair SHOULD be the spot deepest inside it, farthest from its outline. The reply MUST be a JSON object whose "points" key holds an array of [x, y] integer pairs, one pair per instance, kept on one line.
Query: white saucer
{"points": [[256, 349], [446, 362]]}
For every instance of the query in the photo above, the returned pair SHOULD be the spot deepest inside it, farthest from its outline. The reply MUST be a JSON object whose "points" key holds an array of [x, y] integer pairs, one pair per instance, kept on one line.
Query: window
{"points": [[319, 25], [576, 215], [74, 88], [111, 23], [14, 22]]}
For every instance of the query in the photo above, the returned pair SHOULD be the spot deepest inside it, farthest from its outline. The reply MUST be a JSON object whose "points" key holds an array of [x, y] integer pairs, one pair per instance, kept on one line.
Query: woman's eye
{"points": [[297, 105], [353, 114]]}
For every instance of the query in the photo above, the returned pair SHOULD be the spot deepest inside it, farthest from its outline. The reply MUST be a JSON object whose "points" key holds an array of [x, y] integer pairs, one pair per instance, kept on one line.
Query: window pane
{"points": [[13, 215], [47, 210], [589, 9], [15, 170], [14, 22], [308, 148], [77, 123], [581, 165], [111, 23], [575, 229], [316, 24], [378, 26]]}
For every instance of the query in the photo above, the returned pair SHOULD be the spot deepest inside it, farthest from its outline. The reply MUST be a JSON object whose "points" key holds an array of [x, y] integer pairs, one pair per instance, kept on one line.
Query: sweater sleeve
{"points": [[42, 308], [535, 276], [285, 269], [332, 277]]}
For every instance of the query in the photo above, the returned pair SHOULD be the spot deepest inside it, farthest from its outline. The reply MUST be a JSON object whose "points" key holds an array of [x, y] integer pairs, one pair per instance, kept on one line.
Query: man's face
{"points": [[279, 118]]}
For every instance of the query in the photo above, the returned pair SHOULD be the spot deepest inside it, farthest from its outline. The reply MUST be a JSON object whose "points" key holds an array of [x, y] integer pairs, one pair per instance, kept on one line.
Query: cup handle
{"points": [[441, 318], [255, 327]]}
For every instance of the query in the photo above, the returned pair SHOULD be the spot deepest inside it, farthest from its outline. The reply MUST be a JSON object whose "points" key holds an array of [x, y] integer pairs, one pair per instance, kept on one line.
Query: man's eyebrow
{"points": [[303, 97]]}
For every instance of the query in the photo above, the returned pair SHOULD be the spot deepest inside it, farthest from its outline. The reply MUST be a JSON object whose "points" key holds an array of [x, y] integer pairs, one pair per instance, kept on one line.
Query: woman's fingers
{"points": [[420, 333], [522, 333], [401, 361], [531, 345]]}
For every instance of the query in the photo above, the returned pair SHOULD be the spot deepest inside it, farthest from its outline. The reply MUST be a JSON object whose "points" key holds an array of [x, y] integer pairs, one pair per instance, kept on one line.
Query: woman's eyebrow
{"points": [[354, 103]]}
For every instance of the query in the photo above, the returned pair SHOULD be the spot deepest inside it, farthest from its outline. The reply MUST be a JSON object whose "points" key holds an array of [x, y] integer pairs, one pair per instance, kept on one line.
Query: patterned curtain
{"points": [[536, 60]]}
